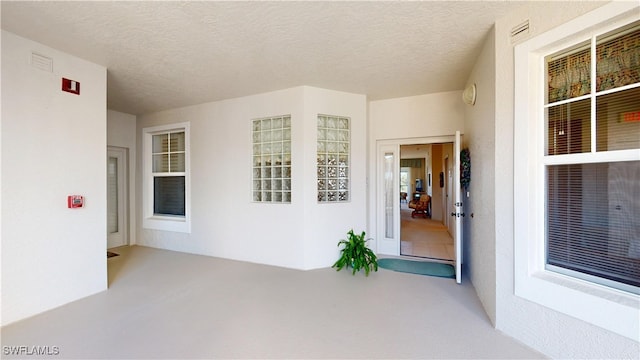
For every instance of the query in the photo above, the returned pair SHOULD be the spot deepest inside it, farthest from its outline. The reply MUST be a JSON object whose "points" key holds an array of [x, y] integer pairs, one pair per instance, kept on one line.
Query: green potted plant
{"points": [[356, 254]]}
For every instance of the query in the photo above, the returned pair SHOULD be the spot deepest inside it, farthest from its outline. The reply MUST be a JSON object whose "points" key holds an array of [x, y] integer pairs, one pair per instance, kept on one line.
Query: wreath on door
{"points": [[465, 168]]}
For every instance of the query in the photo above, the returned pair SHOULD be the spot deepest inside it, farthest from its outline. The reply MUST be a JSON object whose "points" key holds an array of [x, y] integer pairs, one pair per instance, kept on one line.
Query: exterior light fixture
{"points": [[469, 95]]}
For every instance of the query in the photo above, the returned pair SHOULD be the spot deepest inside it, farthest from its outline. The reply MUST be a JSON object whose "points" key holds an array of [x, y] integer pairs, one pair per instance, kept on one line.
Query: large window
{"points": [[166, 162], [592, 204], [577, 168]]}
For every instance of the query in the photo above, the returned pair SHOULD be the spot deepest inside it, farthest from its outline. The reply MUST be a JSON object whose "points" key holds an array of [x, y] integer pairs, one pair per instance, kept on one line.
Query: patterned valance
{"points": [[617, 64], [414, 163]]}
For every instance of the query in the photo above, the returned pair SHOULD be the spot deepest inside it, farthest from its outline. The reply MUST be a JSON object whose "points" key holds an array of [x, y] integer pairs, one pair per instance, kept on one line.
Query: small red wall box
{"points": [[75, 201], [71, 86], [630, 116]]}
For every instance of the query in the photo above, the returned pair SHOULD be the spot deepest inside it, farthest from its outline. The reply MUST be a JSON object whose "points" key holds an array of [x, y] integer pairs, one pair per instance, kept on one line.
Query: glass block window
{"points": [[272, 159], [333, 158]]}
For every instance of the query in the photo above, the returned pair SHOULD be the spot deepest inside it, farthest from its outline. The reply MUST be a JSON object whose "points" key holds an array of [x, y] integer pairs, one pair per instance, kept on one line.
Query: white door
{"points": [[388, 199], [116, 197], [457, 206]]}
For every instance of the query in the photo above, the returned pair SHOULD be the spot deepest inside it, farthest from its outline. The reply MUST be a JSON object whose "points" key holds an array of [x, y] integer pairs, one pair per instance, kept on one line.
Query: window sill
{"points": [[617, 311], [167, 223], [180, 218]]}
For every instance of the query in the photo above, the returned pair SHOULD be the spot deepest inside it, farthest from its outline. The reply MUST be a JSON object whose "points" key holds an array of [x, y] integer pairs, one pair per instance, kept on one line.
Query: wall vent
{"points": [[520, 31], [41, 62]]}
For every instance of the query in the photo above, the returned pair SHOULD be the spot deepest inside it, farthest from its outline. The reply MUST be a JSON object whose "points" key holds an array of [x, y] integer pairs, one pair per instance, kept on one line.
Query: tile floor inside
{"points": [[424, 237]]}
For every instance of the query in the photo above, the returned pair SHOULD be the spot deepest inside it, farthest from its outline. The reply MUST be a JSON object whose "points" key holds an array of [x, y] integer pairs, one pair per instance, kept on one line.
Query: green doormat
{"points": [[418, 267]]}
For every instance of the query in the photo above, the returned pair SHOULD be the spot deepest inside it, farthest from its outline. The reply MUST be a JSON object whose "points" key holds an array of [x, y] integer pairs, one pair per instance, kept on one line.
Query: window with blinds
{"points": [[591, 160], [168, 171]]}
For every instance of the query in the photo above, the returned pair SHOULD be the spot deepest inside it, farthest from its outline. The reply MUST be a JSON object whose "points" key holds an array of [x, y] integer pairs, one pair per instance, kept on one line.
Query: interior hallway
{"points": [[163, 304], [425, 238]]}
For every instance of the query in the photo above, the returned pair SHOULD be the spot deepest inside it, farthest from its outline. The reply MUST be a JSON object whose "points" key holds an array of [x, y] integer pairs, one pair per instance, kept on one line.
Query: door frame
{"points": [[458, 209], [122, 154], [378, 227]]}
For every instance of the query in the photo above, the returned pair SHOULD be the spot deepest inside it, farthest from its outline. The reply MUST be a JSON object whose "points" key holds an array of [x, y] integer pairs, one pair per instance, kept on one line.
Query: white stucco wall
{"points": [[53, 145], [479, 230], [325, 224], [408, 119], [436, 114], [121, 132], [225, 222], [551, 332]]}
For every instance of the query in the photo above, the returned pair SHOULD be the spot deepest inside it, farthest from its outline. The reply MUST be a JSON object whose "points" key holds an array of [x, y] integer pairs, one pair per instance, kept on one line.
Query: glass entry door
{"points": [[116, 197], [388, 199]]}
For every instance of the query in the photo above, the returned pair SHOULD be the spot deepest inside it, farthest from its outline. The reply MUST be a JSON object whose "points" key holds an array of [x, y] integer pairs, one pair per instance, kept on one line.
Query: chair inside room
{"points": [[421, 206]]}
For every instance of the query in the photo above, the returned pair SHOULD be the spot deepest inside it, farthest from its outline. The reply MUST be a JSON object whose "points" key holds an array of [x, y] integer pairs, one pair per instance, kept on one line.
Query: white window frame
{"points": [[612, 309], [164, 222]]}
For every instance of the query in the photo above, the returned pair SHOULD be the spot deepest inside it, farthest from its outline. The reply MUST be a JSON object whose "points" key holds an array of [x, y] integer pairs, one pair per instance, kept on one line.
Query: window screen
{"points": [[592, 225], [168, 195]]}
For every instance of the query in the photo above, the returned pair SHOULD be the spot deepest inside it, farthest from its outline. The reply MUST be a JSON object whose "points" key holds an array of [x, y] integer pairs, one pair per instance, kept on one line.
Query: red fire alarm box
{"points": [[75, 201], [71, 86]]}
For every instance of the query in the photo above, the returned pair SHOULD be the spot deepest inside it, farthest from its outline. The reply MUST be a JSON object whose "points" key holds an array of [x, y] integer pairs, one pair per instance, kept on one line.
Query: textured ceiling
{"points": [[162, 55]]}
